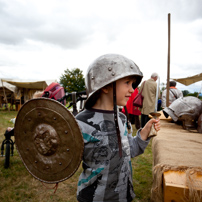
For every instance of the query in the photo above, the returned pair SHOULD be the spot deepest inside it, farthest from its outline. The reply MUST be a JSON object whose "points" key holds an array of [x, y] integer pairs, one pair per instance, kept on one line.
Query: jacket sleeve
{"points": [[137, 145], [163, 99]]}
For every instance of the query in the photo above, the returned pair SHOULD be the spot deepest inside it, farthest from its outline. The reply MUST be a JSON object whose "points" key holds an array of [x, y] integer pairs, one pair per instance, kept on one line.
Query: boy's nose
{"points": [[131, 89]]}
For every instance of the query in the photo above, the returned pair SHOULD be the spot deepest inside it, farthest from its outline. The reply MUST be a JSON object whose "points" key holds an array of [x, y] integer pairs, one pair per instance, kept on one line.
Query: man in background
{"points": [[149, 93], [174, 94]]}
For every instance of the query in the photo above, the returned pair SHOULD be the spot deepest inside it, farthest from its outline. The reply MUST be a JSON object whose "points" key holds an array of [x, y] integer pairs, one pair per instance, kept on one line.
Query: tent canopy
{"points": [[189, 80], [37, 85], [7, 86], [22, 88]]}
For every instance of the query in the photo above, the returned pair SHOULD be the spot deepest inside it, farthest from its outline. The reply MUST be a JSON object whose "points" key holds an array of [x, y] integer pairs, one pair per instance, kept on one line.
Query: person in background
{"points": [[133, 111], [174, 94], [37, 94], [149, 93]]}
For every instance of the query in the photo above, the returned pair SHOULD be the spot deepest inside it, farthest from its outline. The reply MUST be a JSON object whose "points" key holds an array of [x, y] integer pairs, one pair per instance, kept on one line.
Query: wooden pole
{"points": [[168, 68]]}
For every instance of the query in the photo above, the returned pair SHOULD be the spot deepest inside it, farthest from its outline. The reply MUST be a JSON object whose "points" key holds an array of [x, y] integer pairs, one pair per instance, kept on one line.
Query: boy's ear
{"points": [[105, 89]]}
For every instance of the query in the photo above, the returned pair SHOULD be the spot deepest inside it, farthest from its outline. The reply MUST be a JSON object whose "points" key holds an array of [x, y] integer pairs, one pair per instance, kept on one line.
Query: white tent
{"points": [[6, 93], [8, 86], [22, 88], [189, 80], [36, 85]]}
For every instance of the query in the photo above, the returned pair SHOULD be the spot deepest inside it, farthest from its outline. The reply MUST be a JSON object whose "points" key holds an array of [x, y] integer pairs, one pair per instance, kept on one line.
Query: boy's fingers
{"points": [[157, 126]]}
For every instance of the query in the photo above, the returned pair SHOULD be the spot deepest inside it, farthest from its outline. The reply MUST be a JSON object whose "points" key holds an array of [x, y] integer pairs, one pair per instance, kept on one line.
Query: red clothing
{"points": [[132, 109]]}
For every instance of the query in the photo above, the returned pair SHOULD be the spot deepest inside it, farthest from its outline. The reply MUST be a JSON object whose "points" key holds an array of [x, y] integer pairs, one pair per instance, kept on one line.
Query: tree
{"points": [[163, 86], [73, 81], [185, 92], [195, 94]]}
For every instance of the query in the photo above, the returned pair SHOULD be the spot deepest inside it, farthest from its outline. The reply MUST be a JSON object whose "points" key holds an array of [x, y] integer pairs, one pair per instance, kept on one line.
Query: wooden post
{"points": [[168, 70]]}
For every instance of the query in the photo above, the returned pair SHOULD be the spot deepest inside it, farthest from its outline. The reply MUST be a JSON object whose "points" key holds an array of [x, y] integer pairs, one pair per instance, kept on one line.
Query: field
{"points": [[17, 184]]}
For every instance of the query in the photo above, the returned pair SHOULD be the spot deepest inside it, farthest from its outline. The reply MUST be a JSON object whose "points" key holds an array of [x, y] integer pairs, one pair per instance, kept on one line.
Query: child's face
{"points": [[124, 90]]}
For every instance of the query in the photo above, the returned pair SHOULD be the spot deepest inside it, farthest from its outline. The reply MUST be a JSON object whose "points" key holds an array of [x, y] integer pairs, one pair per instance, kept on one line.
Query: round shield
{"points": [[48, 140]]}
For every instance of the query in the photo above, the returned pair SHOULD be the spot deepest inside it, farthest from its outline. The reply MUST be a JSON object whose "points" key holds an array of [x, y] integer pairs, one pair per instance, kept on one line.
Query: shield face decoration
{"points": [[48, 140]]}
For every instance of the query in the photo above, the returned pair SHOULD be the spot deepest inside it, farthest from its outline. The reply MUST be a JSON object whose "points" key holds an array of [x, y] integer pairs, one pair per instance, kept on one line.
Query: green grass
{"points": [[142, 175], [17, 184]]}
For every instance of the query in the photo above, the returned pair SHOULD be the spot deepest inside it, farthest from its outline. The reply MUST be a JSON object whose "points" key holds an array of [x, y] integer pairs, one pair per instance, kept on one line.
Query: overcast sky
{"points": [[39, 40]]}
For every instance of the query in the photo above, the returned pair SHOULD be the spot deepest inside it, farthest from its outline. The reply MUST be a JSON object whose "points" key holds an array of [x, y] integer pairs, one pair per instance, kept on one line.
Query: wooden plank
{"points": [[175, 185], [175, 188]]}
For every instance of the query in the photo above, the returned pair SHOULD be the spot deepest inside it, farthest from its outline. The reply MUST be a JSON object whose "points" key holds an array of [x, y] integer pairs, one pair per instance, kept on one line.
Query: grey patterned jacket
{"points": [[106, 176]]}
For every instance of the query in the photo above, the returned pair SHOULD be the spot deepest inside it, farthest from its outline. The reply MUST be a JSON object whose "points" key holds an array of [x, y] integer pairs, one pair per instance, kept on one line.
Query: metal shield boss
{"points": [[48, 140]]}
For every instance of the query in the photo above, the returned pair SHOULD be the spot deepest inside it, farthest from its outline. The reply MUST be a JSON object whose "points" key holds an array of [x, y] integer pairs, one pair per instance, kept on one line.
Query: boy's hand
{"points": [[145, 131]]}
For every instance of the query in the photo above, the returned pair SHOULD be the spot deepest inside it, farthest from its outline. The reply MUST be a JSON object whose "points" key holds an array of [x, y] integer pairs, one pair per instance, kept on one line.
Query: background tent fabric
{"points": [[7, 86], [189, 80], [23, 89], [37, 85], [7, 93]]}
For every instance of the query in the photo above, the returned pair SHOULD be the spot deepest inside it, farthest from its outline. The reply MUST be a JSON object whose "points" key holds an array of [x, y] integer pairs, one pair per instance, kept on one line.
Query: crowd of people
{"points": [[149, 90]]}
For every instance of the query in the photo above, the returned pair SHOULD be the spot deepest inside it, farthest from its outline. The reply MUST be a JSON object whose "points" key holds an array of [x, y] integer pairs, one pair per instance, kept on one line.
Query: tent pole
{"points": [[168, 68]]}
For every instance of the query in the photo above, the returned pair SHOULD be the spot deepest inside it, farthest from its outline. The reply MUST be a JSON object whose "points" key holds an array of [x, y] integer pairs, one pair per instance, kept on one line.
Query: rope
{"points": [[55, 187]]}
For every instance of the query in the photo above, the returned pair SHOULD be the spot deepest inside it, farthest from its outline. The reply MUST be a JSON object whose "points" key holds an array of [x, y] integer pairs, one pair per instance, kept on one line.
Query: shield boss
{"points": [[48, 140]]}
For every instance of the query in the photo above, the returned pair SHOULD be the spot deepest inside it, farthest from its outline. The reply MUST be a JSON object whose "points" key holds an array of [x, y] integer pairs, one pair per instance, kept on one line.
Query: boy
{"points": [[107, 172]]}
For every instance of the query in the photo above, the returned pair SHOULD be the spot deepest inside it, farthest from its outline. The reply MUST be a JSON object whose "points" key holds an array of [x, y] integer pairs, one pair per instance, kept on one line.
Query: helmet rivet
{"points": [[113, 73], [131, 67], [92, 77], [109, 68]]}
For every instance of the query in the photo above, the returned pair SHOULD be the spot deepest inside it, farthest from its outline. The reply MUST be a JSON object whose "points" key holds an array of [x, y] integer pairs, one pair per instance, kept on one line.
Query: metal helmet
{"points": [[186, 109], [109, 68]]}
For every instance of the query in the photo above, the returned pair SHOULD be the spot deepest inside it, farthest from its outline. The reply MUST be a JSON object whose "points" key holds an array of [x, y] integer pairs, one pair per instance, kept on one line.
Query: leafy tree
{"points": [[73, 80], [185, 92], [163, 86], [195, 94]]}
